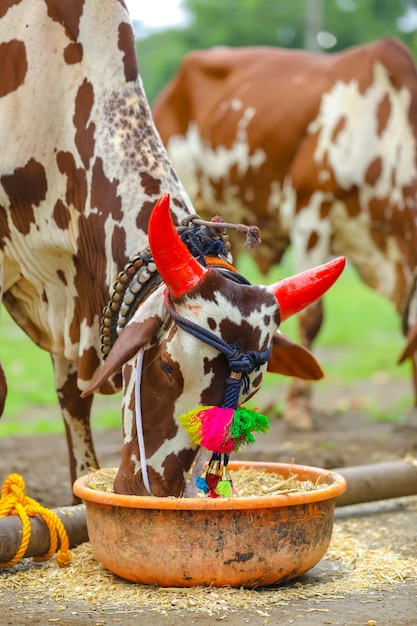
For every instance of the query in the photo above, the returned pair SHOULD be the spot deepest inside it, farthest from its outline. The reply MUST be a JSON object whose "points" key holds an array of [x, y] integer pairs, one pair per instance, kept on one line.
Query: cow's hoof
{"points": [[298, 417]]}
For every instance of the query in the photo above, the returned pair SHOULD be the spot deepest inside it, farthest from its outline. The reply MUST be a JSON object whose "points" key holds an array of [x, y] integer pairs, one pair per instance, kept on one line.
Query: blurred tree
{"points": [[327, 25], [245, 22], [159, 56], [353, 22]]}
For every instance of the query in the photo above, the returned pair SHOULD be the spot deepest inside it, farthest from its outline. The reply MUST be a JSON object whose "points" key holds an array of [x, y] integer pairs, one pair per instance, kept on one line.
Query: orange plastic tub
{"points": [[243, 541]]}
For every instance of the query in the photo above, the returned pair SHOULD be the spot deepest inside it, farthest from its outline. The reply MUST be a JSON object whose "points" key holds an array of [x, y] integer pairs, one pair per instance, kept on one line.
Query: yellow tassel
{"points": [[192, 423]]}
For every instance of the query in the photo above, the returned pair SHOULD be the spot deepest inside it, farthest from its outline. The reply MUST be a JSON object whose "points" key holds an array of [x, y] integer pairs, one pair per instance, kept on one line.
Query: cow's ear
{"points": [[133, 337], [291, 359]]}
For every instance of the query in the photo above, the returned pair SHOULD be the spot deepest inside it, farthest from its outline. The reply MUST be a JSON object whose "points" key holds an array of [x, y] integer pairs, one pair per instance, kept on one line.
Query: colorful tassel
{"points": [[201, 484], [224, 488], [221, 429], [192, 423], [244, 422]]}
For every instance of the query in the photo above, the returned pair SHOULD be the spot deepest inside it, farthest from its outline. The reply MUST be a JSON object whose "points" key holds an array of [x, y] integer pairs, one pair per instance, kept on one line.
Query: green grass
{"points": [[360, 337], [359, 323], [31, 404]]}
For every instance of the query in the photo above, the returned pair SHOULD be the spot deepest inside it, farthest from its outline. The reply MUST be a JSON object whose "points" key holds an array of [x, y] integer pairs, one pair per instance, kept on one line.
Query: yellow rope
{"points": [[14, 501]]}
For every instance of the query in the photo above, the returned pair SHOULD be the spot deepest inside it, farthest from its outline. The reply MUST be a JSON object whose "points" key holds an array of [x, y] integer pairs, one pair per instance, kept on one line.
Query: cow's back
{"points": [[212, 86], [284, 85], [261, 134]]}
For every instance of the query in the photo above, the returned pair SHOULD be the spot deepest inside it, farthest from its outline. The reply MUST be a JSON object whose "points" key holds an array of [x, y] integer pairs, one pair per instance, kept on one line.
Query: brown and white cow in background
{"points": [[318, 150], [82, 167]]}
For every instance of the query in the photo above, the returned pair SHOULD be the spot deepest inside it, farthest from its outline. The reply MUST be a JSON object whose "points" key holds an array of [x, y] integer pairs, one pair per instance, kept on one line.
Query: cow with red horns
{"points": [[200, 330]]}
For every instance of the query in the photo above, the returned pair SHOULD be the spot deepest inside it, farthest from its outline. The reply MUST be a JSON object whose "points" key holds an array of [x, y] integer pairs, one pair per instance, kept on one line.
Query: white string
{"points": [[139, 424]]}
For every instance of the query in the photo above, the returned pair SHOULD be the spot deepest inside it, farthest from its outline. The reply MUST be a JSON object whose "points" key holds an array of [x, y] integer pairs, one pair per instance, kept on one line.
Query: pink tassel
{"points": [[215, 429]]}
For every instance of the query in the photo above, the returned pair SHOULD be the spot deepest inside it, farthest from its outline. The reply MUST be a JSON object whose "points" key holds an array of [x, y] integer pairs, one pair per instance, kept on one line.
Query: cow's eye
{"points": [[166, 367]]}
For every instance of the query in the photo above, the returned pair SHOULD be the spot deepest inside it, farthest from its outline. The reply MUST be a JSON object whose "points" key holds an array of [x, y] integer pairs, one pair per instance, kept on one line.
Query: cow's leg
{"points": [[298, 410], [414, 373], [76, 413], [311, 247], [3, 383]]}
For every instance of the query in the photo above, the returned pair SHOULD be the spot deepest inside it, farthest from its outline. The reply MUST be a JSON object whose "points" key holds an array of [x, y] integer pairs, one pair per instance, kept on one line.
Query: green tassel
{"points": [[244, 422], [224, 489]]}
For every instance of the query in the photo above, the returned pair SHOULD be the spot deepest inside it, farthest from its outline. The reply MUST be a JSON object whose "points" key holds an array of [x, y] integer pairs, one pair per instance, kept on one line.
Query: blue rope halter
{"points": [[240, 363]]}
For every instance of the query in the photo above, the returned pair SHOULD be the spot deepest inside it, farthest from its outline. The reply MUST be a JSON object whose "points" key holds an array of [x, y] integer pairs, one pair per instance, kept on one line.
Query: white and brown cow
{"points": [[318, 150], [82, 167]]}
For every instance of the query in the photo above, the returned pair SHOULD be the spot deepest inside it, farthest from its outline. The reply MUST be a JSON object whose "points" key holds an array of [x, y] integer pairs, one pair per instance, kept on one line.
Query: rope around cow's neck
{"points": [[217, 223], [139, 424]]}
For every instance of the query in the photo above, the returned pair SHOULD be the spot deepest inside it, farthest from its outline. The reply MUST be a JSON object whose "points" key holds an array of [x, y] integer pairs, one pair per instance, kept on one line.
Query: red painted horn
{"points": [[179, 270], [297, 292]]}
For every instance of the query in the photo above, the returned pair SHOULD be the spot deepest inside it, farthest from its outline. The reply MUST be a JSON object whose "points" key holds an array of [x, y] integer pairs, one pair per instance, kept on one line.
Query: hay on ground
{"points": [[352, 565]]}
